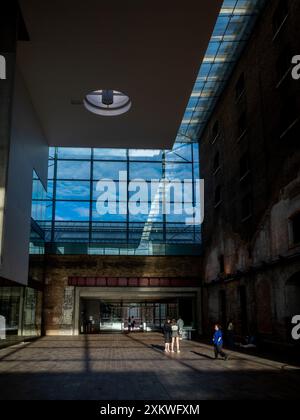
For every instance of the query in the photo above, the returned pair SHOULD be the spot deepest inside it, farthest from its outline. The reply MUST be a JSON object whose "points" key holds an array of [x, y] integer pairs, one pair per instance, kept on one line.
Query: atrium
{"points": [[149, 170]]}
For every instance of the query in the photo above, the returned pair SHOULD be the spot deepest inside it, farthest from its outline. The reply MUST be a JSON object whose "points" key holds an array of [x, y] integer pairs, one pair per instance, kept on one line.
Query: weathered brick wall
{"points": [[273, 182], [273, 162]]}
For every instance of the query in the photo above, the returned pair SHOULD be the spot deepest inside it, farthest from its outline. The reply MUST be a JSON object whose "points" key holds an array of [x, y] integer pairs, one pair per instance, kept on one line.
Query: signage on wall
{"points": [[296, 67], [2, 328], [2, 67], [296, 329]]}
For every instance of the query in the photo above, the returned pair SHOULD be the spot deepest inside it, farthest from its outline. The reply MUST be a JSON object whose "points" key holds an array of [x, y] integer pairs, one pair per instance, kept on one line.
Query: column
{"points": [[8, 40]]}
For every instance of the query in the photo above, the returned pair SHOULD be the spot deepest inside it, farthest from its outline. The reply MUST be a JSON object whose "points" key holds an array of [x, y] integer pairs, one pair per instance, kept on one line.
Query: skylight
{"points": [[231, 32]]}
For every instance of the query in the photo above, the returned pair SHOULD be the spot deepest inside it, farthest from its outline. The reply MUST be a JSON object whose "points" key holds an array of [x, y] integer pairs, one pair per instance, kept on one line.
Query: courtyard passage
{"points": [[134, 367]]}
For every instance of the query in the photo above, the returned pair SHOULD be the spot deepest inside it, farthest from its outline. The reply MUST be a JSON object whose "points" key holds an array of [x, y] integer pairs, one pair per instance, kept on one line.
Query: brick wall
{"points": [[256, 250]]}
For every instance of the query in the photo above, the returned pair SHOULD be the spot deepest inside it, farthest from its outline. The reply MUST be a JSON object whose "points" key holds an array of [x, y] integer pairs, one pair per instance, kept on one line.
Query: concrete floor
{"points": [[134, 367]]}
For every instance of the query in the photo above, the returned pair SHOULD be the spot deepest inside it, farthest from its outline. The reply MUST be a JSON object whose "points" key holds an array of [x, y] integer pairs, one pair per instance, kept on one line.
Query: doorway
{"points": [[100, 316]]}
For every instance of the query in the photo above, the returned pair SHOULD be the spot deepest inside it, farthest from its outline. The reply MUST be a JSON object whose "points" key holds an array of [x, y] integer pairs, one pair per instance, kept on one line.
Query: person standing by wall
{"points": [[167, 330]]}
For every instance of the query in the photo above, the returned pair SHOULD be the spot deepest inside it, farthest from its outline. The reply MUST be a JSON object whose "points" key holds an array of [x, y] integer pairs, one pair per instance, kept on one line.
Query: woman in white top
{"points": [[175, 336]]}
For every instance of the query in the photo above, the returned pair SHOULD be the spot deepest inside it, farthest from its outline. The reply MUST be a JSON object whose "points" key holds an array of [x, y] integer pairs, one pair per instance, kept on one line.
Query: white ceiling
{"points": [[150, 50]]}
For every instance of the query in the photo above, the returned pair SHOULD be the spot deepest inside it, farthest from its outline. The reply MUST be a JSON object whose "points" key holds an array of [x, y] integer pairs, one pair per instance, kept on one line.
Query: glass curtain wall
{"points": [[39, 214], [69, 214]]}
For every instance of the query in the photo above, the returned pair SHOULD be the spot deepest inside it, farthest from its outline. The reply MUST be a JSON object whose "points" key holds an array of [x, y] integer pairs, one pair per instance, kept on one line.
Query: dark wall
{"points": [[247, 235], [268, 105]]}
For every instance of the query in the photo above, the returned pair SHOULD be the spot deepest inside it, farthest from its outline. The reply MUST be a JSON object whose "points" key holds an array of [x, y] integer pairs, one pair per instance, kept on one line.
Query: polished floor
{"points": [[134, 367]]}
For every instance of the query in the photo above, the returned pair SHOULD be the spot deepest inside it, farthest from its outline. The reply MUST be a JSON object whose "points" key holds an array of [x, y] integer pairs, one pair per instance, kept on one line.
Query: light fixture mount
{"points": [[107, 102]]}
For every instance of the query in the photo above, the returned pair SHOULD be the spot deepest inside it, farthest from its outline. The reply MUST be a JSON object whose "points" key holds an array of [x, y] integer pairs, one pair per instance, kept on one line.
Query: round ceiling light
{"points": [[107, 102]]}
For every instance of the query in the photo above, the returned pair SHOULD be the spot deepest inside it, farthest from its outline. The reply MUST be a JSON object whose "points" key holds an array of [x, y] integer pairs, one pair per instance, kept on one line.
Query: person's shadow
{"points": [[157, 347], [203, 355]]}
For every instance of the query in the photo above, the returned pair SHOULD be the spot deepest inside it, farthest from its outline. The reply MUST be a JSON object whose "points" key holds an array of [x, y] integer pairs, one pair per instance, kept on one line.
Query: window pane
{"points": [[97, 217], [38, 191], [145, 218], [180, 153], [179, 171], [73, 170], [41, 210], [51, 169], [144, 155], [72, 211], [146, 171], [118, 192], [50, 190], [73, 190], [110, 154], [73, 153], [108, 170]]}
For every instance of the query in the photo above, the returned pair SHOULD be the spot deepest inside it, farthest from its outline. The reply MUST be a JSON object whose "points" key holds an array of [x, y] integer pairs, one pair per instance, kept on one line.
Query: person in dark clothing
{"points": [[218, 343], [129, 324], [167, 330], [132, 323]]}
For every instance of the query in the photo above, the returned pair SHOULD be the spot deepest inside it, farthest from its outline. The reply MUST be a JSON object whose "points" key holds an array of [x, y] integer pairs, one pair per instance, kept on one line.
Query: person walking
{"points": [[180, 324], [175, 336], [167, 330], [218, 342]]}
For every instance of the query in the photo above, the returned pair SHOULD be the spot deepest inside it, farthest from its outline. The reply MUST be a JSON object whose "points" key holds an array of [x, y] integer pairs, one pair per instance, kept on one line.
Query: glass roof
{"points": [[231, 32]]}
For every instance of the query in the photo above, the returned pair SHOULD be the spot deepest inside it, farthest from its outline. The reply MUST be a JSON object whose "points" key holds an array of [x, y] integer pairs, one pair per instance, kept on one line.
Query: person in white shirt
{"points": [[175, 336]]}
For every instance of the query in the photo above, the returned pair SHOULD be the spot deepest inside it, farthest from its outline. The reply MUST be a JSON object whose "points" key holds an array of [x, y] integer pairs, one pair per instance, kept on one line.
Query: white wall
{"points": [[28, 151]]}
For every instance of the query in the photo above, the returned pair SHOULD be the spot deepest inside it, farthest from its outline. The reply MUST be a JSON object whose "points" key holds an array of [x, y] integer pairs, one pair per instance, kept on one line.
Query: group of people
{"points": [[173, 330], [173, 334]]}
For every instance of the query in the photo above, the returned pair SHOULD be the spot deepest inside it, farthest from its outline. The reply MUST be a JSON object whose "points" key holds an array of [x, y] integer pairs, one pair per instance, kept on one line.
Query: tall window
{"points": [[246, 205], [244, 165], [222, 263], [216, 165], [296, 229], [242, 123], [283, 64], [215, 130], [240, 87], [218, 195], [280, 15]]}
